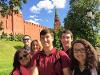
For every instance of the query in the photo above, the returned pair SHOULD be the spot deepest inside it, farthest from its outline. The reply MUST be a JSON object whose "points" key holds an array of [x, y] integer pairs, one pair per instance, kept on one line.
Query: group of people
{"points": [[77, 57]]}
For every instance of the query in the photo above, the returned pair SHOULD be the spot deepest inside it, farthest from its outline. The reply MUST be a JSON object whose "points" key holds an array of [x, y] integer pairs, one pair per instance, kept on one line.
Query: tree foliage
{"points": [[7, 6], [78, 21], [57, 42]]}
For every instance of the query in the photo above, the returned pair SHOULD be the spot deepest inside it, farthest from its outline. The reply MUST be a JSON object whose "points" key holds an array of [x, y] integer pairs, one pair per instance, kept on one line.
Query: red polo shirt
{"points": [[50, 65]]}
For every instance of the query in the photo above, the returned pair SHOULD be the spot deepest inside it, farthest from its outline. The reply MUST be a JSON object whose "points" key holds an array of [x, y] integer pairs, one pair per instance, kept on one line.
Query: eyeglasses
{"points": [[26, 39], [82, 50], [24, 56]]}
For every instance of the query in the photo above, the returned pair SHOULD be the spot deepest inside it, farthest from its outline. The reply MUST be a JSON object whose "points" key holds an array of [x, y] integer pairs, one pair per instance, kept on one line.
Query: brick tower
{"points": [[57, 22]]}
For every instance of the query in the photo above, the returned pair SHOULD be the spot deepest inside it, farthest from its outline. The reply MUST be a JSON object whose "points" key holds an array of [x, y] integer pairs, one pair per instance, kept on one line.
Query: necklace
{"points": [[82, 67]]}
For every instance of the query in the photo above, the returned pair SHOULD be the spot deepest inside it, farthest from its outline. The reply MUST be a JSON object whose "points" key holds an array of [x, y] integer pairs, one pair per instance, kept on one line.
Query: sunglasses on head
{"points": [[24, 56], [26, 39]]}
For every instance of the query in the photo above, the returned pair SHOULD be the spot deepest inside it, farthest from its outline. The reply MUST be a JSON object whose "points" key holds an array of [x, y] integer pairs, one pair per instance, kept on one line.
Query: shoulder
{"points": [[62, 53], [38, 54], [16, 72]]}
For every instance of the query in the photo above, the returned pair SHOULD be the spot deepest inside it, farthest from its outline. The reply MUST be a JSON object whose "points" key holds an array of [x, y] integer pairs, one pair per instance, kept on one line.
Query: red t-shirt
{"points": [[23, 70], [50, 65]]}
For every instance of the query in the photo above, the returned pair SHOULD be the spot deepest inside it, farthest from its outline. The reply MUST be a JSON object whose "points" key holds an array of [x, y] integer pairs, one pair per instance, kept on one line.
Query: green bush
{"points": [[11, 37], [19, 37], [4, 35]]}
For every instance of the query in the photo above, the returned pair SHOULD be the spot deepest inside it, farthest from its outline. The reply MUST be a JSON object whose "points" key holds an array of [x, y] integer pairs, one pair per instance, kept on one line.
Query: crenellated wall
{"points": [[21, 26]]}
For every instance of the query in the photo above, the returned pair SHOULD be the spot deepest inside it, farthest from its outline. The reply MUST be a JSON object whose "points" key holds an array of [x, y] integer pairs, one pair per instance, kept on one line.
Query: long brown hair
{"points": [[16, 63], [91, 55]]}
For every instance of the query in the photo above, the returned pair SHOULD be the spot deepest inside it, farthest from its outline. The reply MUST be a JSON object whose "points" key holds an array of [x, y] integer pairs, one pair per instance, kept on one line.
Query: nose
{"points": [[79, 52], [35, 46], [45, 39]]}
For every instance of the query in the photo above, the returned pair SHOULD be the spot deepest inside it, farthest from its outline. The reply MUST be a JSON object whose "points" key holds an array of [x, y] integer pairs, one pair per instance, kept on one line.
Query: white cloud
{"points": [[50, 11], [32, 21], [59, 3], [47, 5], [34, 9], [37, 19], [32, 16]]}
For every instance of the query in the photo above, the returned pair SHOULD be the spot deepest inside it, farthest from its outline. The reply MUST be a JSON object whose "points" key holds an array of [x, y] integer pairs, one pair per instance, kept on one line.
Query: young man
{"points": [[66, 38], [27, 42], [46, 61]]}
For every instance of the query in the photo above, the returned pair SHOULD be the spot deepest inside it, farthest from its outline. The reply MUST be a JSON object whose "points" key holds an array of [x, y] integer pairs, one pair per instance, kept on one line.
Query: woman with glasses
{"points": [[21, 64], [84, 58]]}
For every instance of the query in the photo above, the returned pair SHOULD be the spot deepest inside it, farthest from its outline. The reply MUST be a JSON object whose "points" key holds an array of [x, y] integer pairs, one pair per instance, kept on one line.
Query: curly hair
{"points": [[91, 55]]}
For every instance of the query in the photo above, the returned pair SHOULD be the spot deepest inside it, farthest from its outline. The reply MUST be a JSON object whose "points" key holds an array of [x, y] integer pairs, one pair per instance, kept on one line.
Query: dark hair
{"points": [[91, 56], [25, 36], [16, 63], [46, 31], [67, 32]]}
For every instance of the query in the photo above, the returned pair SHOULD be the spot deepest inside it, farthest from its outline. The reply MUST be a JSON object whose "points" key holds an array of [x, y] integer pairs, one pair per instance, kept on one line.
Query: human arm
{"points": [[35, 71], [16, 72], [66, 71], [66, 63]]}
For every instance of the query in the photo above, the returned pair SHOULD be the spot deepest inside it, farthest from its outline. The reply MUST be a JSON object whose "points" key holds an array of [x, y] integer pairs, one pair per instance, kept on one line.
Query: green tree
{"points": [[11, 7], [56, 42], [82, 19]]}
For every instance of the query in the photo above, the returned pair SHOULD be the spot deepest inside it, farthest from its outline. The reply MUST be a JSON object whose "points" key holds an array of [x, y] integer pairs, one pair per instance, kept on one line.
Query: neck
{"points": [[82, 64], [47, 50], [66, 48], [26, 46]]}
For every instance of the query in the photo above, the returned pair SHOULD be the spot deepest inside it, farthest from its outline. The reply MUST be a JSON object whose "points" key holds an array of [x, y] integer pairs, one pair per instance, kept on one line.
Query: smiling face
{"points": [[46, 40], [66, 40], [27, 41], [24, 58], [35, 46], [79, 52]]}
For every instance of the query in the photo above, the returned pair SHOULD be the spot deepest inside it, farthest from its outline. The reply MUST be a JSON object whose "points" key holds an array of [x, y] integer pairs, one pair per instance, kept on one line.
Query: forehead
{"points": [[48, 34], [78, 45], [35, 42], [66, 34]]}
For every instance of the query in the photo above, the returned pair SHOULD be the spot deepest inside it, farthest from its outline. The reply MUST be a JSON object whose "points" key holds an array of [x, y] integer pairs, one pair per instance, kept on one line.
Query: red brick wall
{"points": [[20, 26]]}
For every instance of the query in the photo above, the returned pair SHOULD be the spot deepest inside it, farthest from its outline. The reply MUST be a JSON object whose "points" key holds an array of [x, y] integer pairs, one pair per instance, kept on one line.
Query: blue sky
{"points": [[42, 11]]}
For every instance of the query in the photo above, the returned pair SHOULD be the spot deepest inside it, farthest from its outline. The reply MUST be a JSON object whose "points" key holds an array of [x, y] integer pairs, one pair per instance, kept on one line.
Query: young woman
{"points": [[21, 64], [84, 58], [36, 46]]}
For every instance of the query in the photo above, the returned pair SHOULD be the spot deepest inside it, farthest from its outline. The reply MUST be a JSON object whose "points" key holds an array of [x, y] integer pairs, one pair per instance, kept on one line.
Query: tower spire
{"points": [[57, 22]]}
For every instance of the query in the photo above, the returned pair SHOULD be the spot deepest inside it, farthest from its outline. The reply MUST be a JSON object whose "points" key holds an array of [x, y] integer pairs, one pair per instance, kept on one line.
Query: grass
{"points": [[7, 50]]}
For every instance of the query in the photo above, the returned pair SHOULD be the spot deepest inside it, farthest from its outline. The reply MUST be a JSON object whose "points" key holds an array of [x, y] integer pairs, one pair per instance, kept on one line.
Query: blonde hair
{"points": [[39, 43]]}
